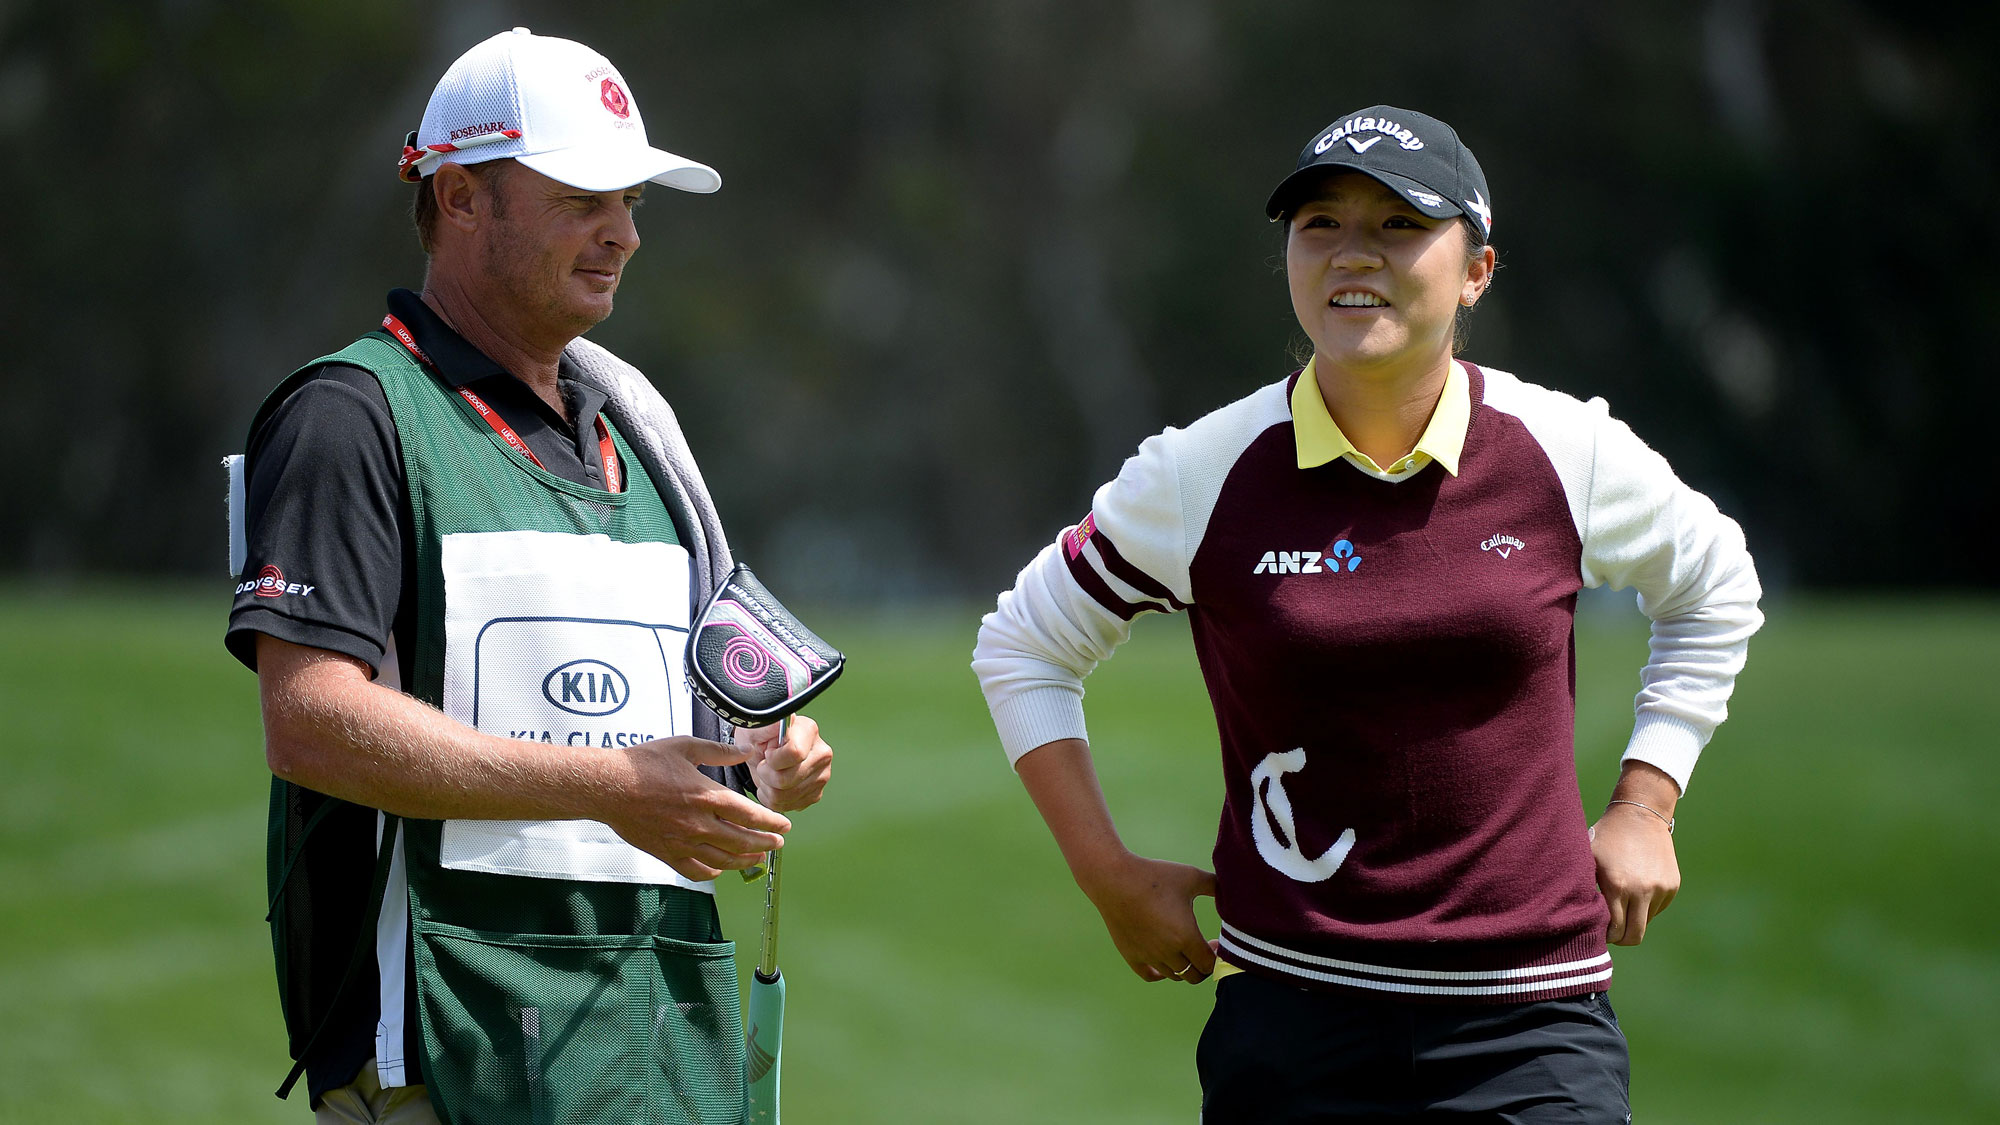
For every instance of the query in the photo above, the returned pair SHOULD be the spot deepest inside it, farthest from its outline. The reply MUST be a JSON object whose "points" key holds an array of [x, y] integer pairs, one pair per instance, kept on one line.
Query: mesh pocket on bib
{"points": [[533, 1029]]}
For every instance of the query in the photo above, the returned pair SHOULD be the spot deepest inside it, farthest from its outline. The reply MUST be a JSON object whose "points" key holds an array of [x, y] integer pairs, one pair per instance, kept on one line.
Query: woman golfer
{"points": [[1380, 557]]}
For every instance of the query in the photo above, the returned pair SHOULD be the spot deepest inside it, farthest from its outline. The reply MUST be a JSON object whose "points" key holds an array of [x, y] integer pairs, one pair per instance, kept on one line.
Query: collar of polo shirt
{"points": [[1320, 440]]}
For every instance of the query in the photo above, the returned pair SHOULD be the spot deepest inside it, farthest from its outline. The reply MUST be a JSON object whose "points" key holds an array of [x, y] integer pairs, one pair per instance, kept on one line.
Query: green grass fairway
{"points": [[1832, 957]]}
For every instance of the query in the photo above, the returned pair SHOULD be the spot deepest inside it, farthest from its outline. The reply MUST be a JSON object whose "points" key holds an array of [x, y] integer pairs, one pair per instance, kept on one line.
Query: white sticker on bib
{"points": [[566, 641]]}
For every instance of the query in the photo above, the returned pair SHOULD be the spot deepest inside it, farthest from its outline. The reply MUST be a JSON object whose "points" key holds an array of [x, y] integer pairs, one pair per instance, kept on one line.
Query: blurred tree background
{"points": [[968, 255]]}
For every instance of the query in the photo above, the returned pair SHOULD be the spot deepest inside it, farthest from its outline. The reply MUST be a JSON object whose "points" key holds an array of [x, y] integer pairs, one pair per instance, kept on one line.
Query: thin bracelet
{"points": [[1669, 821]]}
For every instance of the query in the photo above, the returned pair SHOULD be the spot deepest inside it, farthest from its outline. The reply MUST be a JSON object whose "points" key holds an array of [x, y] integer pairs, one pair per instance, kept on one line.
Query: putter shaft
{"points": [[767, 940], [767, 943]]}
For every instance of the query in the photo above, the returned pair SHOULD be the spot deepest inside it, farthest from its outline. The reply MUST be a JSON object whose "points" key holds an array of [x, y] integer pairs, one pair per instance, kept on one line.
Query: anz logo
{"points": [[1341, 559], [587, 687]]}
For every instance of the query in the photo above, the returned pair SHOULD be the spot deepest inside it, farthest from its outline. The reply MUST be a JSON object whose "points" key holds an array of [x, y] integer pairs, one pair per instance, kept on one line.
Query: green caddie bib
{"points": [[562, 975]]}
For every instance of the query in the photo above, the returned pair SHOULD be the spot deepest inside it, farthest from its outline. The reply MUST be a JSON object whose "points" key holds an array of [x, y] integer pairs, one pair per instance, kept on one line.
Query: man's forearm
{"points": [[329, 729]]}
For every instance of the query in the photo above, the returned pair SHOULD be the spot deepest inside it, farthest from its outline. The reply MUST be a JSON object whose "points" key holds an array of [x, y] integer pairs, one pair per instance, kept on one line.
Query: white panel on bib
{"points": [[565, 640]]}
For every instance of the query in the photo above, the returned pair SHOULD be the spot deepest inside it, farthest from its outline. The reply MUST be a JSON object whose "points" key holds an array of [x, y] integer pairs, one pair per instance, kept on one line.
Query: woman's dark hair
{"points": [[1461, 321]]}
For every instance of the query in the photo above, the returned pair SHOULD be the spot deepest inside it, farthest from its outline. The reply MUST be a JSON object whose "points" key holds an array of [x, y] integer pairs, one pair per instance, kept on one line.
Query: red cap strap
{"points": [[406, 168]]}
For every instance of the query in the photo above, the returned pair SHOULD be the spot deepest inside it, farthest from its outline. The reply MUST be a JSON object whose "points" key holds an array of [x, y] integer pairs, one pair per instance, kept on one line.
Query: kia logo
{"points": [[587, 687]]}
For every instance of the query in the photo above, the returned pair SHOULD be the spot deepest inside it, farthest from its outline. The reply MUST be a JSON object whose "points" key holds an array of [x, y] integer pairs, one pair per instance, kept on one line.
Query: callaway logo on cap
{"points": [[1411, 153], [556, 106]]}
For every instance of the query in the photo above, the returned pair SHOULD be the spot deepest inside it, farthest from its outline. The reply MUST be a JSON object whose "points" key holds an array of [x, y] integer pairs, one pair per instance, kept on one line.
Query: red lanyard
{"points": [[605, 448]]}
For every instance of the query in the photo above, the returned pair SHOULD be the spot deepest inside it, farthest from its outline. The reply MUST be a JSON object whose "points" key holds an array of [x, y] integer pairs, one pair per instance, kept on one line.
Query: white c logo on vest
{"points": [[1269, 805]]}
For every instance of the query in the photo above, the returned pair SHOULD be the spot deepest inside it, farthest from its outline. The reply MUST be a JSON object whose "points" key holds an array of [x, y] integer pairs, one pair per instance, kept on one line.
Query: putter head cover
{"points": [[750, 660]]}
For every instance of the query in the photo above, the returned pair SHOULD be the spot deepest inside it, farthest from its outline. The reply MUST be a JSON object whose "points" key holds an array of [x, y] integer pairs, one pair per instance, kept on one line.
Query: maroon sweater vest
{"points": [[1427, 671]]}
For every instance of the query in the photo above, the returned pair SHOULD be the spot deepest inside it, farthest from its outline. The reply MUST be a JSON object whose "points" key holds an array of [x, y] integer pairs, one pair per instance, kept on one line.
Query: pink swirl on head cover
{"points": [[746, 662], [752, 649]]}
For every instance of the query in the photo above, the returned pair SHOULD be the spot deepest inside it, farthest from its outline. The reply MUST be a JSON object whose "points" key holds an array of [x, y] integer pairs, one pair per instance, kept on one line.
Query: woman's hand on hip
{"points": [[1148, 906], [1633, 845]]}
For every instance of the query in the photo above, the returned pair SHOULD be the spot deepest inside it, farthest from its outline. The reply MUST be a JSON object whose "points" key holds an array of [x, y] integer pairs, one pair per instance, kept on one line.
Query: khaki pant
{"points": [[365, 1102]]}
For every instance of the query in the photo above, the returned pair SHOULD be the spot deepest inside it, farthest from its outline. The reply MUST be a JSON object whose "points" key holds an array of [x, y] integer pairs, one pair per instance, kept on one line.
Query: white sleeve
{"points": [[1074, 603], [1643, 528]]}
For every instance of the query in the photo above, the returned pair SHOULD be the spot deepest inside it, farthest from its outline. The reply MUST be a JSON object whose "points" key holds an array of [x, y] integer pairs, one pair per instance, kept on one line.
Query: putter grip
{"points": [[750, 660]]}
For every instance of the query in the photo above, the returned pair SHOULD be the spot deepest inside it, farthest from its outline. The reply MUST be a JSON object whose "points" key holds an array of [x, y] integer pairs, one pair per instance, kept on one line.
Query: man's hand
{"points": [[1148, 905], [791, 774], [1636, 868], [695, 826]]}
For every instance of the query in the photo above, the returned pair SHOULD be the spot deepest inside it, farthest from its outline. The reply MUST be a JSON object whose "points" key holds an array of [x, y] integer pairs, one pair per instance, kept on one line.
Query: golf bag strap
{"points": [[364, 942]]}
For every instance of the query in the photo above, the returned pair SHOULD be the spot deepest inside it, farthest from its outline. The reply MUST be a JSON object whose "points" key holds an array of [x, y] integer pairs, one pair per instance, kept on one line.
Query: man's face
{"points": [[552, 253]]}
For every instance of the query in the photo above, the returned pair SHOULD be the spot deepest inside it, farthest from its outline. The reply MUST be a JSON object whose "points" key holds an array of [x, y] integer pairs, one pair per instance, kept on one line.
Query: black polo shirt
{"points": [[326, 505], [326, 502]]}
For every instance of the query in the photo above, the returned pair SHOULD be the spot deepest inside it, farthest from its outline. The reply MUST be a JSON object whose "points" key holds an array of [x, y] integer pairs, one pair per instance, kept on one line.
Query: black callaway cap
{"points": [[1415, 155]]}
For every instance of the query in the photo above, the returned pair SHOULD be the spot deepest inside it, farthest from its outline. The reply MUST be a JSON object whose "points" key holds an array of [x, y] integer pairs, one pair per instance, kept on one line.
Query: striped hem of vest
{"points": [[1548, 980]]}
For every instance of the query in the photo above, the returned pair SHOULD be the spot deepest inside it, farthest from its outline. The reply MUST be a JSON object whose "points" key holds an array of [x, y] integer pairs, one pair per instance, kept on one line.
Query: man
{"points": [[474, 547]]}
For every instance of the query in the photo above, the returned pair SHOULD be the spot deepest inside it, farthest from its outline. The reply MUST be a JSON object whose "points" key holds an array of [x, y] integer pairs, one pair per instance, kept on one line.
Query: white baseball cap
{"points": [[556, 106]]}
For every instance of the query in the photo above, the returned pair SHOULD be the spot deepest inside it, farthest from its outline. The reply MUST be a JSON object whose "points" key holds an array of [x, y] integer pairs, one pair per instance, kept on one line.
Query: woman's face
{"points": [[1375, 282]]}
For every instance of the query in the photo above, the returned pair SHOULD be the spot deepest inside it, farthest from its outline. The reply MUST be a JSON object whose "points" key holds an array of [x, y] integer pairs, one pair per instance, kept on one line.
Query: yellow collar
{"points": [[1320, 440]]}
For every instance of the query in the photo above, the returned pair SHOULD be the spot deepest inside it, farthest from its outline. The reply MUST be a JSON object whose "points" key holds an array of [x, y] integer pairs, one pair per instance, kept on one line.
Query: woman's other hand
{"points": [[1634, 847]]}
